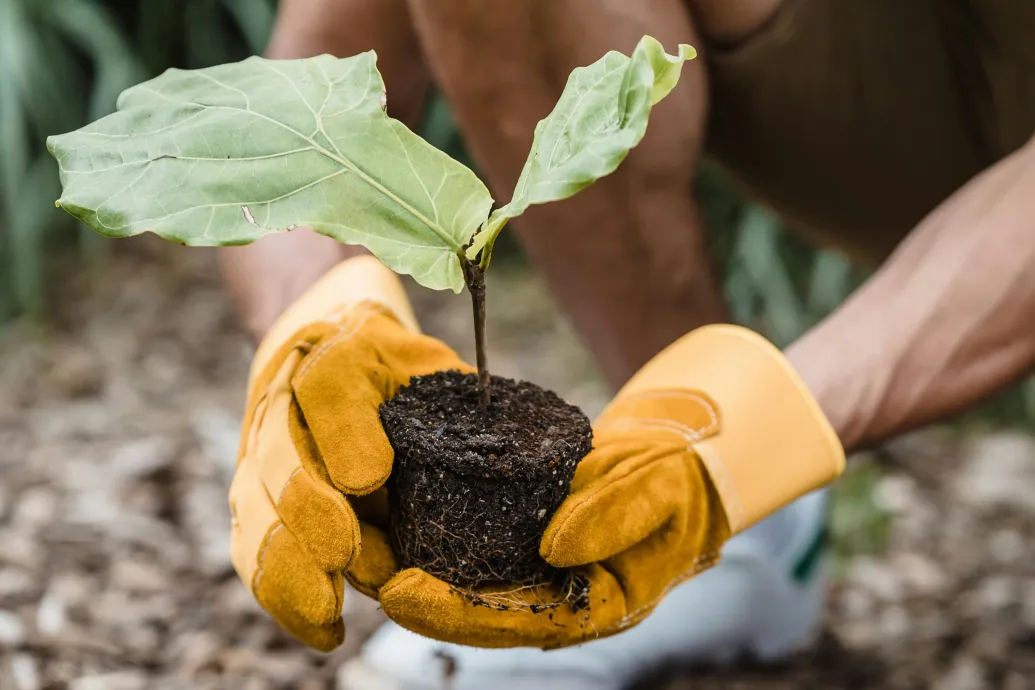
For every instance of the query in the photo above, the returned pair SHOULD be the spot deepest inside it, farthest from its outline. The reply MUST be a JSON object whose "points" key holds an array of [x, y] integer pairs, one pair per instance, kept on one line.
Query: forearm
{"points": [[947, 321], [265, 277]]}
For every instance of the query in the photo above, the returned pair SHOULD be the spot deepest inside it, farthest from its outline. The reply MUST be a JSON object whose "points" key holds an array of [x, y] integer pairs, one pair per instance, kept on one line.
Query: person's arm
{"points": [[265, 277], [948, 321]]}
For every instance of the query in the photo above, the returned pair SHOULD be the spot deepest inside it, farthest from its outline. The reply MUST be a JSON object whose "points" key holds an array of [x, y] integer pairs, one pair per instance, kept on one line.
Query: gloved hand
{"points": [[307, 492], [711, 436]]}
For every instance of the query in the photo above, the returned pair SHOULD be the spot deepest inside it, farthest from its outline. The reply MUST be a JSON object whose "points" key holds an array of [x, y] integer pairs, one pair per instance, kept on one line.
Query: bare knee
{"points": [[626, 255], [503, 65], [732, 21]]}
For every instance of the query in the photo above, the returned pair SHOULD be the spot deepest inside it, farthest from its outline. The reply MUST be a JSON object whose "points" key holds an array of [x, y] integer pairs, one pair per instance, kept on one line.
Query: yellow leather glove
{"points": [[711, 436], [313, 457]]}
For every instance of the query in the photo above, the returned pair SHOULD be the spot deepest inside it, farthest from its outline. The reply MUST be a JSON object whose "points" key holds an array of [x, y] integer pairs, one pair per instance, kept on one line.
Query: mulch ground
{"points": [[118, 431]]}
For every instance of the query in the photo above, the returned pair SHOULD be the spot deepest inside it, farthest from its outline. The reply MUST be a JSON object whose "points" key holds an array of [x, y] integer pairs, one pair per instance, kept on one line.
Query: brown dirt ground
{"points": [[118, 429]]}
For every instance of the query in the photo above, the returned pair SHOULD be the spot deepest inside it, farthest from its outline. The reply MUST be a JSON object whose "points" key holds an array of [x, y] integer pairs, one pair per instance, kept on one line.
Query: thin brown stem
{"points": [[475, 279]]}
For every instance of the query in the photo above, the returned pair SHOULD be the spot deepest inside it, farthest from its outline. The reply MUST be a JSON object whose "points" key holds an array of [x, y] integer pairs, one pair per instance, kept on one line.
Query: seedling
{"points": [[228, 154]]}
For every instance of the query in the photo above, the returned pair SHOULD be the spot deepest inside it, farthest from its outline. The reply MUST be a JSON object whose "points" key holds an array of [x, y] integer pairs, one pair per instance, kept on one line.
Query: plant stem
{"points": [[474, 276]]}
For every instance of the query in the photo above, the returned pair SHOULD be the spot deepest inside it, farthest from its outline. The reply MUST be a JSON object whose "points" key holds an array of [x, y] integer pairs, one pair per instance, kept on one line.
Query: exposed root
{"points": [[472, 491], [566, 588]]}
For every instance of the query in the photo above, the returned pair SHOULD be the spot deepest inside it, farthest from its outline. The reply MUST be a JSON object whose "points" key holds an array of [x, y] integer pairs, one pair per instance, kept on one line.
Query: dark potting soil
{"points": [[471, 492]]}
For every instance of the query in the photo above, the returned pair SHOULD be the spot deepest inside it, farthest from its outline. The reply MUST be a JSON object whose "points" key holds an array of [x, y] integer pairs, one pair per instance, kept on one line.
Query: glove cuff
{"points": [[355, 280], [775, 444]]}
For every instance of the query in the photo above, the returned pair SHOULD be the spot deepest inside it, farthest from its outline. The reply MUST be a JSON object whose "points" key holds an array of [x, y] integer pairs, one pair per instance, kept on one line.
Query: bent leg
{"points": [[626, 256]]}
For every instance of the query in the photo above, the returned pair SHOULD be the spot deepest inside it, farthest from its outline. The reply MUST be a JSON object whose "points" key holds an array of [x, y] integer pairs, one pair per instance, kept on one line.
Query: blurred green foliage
{"points": [[64, 62], [858, 524]]}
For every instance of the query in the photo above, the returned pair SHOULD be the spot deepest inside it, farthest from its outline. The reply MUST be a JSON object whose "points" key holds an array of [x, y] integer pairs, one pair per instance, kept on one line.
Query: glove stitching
{"points": [[364, 310], [364, 586], [262, 556], [616, 475], [394, 584], [345, 331], [258, 414], [717, 470], [283, 489], [702, 562], [369, 310], [335, 495], [262, 562], [366, 488], [690, 436], [665, 425], [709, 407], [707, 404], [686, 433], [341, 336]]}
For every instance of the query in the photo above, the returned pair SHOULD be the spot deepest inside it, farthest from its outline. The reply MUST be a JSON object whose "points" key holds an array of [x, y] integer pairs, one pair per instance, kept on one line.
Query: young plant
{"points": [[228, 154], [225, 155]]}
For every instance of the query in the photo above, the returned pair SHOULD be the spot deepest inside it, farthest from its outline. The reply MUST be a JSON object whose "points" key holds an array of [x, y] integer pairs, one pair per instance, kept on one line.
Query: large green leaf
{"points": [[601, 115], [227, 154]]}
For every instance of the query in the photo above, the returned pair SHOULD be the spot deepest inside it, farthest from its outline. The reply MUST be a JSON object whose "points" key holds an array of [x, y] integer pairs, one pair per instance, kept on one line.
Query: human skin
{"points": [[946, 322], [943, 324]]}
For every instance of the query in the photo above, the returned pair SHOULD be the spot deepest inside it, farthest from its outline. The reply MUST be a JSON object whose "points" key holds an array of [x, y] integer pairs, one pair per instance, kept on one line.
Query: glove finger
{"points": [[376, 563], [316, 514], [620, 509], [321, 520], [279, 572], [267, 363], [339, 387], [288, 582], [610, 451], [252, 518], [502, 617], [323, 638], [410, 354], [343, 382]]}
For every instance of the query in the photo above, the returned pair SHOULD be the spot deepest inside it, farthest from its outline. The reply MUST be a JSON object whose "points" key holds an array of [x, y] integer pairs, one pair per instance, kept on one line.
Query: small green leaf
{"points": [[227, 154], [601, 115]]}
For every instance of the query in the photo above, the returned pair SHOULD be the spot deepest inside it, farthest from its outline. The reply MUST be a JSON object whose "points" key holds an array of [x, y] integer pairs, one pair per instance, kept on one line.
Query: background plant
{"points": [[63, 63], [228, 154]]}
